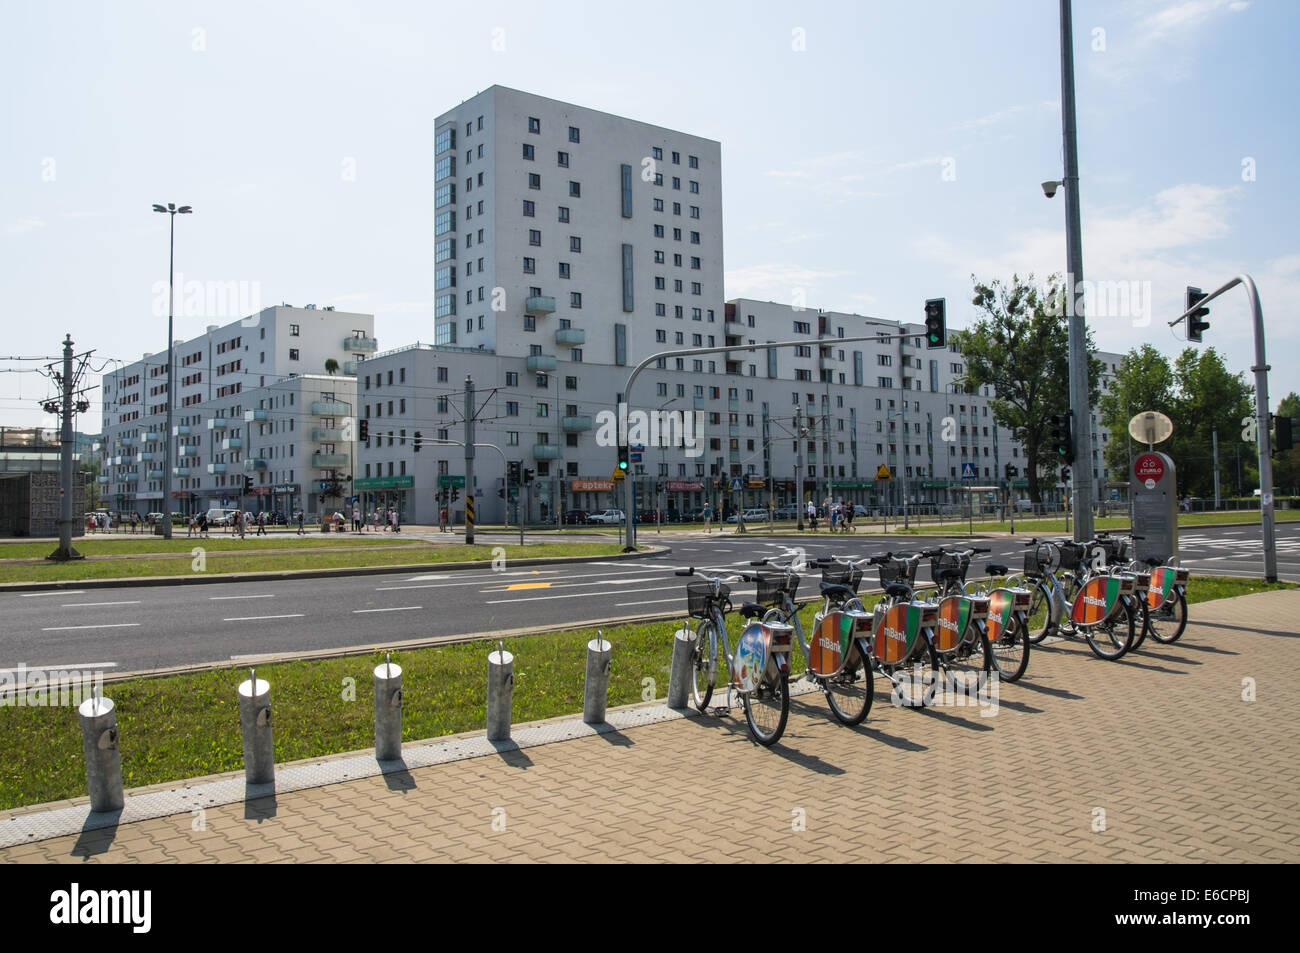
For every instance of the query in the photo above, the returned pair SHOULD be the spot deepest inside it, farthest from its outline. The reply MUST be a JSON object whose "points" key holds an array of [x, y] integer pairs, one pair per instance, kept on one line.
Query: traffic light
{"points": [[623, 457], [455, 494], [501, 493], [936, 326], [1284, 440], [1062, 439], [1011, 471], [419, 437], [526, 477], [1195, 326], [364, 431], [513, 469], [248, 484]]}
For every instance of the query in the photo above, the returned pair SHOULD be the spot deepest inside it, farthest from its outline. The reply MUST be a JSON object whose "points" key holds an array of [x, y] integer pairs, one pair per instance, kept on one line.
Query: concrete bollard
{"points": [[103, 760], [255, 724], [388, 711], [679, 676], [596, 689], [501, 687]]}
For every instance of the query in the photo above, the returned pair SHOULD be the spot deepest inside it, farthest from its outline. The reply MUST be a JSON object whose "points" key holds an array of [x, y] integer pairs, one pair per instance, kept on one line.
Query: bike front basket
{"points": [[700, 598], [773, 587], [1071, 554], [945, 563], [839, 575], [893, 571]]}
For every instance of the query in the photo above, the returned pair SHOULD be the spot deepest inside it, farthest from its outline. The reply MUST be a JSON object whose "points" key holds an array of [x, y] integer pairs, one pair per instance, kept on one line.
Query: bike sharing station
{"points": [[1154, 490]]}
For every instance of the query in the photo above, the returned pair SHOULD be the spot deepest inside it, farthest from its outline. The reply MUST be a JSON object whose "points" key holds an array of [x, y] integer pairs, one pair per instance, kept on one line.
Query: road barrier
{"points": [[596, 688], [679, 676], [255, 724], [388, 710], [500, 696], [99, 747]]}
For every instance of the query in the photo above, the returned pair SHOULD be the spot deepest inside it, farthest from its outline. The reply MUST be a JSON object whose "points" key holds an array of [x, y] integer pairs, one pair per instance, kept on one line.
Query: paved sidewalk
{"points": [[1155, 758]]}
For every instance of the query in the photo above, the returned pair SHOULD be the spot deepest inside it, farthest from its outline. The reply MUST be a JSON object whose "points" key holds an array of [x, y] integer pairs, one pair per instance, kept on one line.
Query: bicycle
{"points": [[1093, 604], [998, 614], [1162, 588], [758, 671], [839, 654]]}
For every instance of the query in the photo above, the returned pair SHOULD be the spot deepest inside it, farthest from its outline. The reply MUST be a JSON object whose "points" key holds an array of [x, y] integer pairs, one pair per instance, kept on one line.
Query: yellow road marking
{"points": [[527, 585]]}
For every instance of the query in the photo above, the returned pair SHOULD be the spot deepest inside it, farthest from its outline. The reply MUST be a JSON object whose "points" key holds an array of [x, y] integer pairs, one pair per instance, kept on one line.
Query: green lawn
{"points": [[226, 561], [92, 546], [185, 726]]}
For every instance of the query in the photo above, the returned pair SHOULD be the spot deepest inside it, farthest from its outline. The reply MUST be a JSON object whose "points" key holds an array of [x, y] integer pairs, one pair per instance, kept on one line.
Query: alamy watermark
{"points": [[1103, 299], [651, 428], [22, 687], [208, 299]]}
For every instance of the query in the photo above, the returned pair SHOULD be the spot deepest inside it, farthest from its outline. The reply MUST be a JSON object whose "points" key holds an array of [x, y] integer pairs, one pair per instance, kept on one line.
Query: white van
{"points": [[220, 516]]}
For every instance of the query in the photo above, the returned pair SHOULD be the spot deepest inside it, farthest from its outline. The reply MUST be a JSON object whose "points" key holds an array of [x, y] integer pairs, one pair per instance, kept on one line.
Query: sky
{"points": [[874, 155]]}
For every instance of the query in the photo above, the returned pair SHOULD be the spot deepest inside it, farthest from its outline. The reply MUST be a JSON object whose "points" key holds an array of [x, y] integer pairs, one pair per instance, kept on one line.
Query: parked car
{"points": [[575, 517], [751, 516], [672, 516], [607, 517], [1024, 506], [695, 515], [153, 518], [221, 516], [789, 511]]}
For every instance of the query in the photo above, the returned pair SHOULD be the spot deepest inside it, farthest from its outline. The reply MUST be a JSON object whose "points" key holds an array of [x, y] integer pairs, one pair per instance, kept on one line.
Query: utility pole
{"points": [[66, 489], [1214, 435], [798, 463], [469, 460], [1079, 406]]}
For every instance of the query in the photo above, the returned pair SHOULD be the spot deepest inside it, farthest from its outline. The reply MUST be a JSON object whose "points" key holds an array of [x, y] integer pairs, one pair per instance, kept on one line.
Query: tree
{"points": [[331, 366], [1020, 347], [1210, 398], [1144, 380]]}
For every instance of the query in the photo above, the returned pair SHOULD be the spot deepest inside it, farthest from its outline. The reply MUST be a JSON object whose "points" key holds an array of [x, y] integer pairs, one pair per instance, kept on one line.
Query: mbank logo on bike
{"points": [[1094, 601]]}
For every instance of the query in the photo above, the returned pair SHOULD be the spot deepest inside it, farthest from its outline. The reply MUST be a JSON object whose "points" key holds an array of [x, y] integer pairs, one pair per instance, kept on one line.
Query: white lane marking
{"points": [[428, 577], [79, 605], [259, 618], [394, 609], [269, 595], [478, 580], [647, 602], [64, 666], [577, 595], [56, 592], [115, 625]]}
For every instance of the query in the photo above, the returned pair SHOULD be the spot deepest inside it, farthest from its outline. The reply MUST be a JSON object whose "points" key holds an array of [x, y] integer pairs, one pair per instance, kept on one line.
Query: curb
{"points": [[290, 574]]}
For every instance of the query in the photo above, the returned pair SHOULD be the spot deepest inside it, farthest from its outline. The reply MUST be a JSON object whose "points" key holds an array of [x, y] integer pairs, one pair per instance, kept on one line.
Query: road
{"points": [[138, 628]]}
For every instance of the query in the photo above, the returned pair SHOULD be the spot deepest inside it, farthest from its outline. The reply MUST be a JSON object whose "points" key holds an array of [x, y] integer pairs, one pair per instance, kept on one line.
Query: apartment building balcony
{"points": [[233, 443], [154, 474], [128, 477], [735, 367], [546, 451], [181, 471], [254, 464], [182, 430], [126, 441], [572, 336], [576, 424], [326, 434], [151, 436], [148, 456], [540, 362], [329, 461], [539, 304], [733, 430], [735, 456], [257, 414], [361, 345], [217, 423], [733, 404], [101, 480], [187, 451], [350, 368], [216, 468], [329, 408]]}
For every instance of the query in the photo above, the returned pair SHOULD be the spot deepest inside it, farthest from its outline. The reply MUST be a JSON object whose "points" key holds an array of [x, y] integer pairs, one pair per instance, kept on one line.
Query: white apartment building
{"points": [[562, 231], [266, 397]]}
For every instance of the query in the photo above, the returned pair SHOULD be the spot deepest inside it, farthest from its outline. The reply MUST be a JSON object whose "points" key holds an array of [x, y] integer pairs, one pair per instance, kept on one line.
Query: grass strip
{"points": [[186, 726]]}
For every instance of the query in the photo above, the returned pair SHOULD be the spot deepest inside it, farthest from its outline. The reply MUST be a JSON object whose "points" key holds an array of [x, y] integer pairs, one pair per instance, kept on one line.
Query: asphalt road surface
{"points": [[141, 628]]}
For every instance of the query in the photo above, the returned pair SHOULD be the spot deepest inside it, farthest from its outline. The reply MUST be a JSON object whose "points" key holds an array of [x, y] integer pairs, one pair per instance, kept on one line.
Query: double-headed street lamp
{"points": [[170, 209]]}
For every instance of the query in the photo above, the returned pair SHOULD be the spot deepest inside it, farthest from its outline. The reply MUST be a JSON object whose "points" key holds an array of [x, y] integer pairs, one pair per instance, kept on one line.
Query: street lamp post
{"points": [[661, 499], [172, 210]]}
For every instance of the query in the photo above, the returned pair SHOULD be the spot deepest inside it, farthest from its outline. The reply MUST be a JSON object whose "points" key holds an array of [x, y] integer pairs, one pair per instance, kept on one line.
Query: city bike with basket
{"points": [[759, 669], [1069, 601], [990, 619]]}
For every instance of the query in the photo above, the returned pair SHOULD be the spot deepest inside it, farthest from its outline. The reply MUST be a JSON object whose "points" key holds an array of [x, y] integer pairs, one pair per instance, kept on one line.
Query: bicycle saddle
{"points": [[1152, 561], [752, 610], [951, 572], [837, 593], [896, 590], [996, 569]]}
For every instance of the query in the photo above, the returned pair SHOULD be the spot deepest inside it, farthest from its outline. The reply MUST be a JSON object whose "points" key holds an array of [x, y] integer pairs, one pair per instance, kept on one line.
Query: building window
{"points": [[293, 330], [534, 180], [575, 355], [659, 257], [534, 124], [564, 269], [512, 378], [543, 410], [293, 354], [570, 383], [564, 213], [529, 209], [530, 266], [695, 238], [512, 408], [534, 236], [562, 159], [530, 322], [575, 299], [528, 151], [575, 189], [658, 231], [442, 375], [693, 161], [575, 243], [695, 187], [512, 438], [573, 134]]}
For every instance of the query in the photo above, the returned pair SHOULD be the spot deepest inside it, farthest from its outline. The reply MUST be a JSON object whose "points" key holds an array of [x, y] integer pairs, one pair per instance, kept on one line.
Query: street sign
{"points": [[448, 479], [225, 501], [737, 485], [1149, 468], [618, 476], [968, 471], [882, 473], [1150, 427]]}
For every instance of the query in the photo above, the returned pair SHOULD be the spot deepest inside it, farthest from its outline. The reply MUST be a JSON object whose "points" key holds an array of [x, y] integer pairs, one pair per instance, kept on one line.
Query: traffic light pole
{"points": [[1262, 428]]}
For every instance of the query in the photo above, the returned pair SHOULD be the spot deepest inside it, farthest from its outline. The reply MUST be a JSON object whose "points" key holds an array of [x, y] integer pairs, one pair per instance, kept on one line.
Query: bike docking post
{"points": [[501, 687], [255, 724], [596, 688], [388, 710], [99, 747], [679, 676]]}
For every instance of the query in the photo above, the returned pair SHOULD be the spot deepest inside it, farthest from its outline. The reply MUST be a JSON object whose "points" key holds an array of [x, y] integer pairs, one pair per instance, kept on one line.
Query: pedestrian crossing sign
{"points": [[882, 473]]}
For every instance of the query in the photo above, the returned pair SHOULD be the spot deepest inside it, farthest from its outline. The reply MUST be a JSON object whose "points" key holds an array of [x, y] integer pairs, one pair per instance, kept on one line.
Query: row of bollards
{"points": [[99, 733]]}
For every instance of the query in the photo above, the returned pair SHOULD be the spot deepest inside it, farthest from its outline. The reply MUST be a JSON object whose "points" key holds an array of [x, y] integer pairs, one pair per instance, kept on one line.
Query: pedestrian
{"points": [[442, 520], [849, 513], [261, 523], [189, 527], [397, 526], [812, 515], [375, 518], [300, 518], [203, 525], [708, 517]]}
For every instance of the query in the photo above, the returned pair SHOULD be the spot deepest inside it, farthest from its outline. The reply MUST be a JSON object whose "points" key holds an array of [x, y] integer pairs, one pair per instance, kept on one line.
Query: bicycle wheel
{"points": [[850, 692], [966, 668], [1141, 622], [1011, 650], [1166, 624], [1111, 639], [916, 682], [704, 665], [767, 707], [1039, 617]]}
